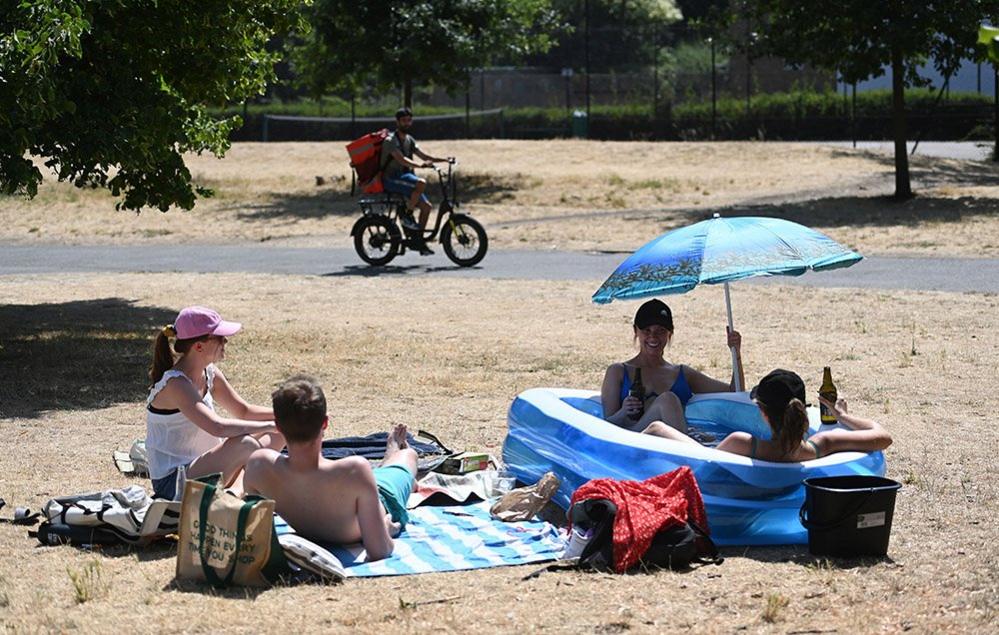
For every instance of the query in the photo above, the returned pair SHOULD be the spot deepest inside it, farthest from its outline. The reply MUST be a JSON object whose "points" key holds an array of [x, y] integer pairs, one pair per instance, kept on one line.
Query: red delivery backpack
{"points": [[365, 157]]}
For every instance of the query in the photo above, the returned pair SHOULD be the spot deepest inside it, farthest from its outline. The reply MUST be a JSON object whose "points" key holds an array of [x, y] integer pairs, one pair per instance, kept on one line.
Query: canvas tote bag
{"points": [[226, 540]]}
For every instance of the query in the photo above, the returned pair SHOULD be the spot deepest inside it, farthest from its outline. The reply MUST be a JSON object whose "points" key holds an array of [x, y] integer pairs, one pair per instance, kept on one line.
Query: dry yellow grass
{"points": [[449, 355], [565, 194]]}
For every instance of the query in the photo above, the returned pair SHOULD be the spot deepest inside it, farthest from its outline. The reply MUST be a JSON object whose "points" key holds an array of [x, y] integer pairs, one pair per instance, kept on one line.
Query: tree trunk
{"points": [[407, 93], [902, 188]]}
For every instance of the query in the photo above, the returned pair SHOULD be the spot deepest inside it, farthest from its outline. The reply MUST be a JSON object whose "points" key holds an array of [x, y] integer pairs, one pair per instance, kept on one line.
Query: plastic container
{"points": [[503, 482], [849, 515], [578, 539], [748, 501], [580, 125]]}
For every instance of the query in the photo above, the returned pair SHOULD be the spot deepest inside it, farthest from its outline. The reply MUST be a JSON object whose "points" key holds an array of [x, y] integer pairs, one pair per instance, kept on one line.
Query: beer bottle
{"points": [[828, 392], [637, 391]]}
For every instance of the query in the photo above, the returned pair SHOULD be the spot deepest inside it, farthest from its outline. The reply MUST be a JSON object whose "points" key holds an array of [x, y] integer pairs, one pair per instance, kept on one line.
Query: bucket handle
{"points": [[808, 524]]}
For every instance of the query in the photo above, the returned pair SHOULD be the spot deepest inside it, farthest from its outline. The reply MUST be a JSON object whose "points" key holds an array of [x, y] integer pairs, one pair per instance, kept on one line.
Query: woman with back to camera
{"points": [[183, 431], [780, 397], [667, 386]]}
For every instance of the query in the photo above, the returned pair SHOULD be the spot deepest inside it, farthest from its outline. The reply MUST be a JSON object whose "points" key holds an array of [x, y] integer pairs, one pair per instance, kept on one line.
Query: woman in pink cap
{"points": [[185, 437]]}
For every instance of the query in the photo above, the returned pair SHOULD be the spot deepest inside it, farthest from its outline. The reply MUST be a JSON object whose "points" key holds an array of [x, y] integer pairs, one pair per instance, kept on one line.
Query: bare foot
{"points": [[396, 439]]}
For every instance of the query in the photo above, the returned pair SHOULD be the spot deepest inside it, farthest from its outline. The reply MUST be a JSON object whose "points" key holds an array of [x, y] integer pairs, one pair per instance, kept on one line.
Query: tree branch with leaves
{"points": [[112, 94]]}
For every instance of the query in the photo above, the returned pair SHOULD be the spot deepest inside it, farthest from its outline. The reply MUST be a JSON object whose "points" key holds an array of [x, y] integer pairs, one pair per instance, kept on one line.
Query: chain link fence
{"points": [[684, 86]]}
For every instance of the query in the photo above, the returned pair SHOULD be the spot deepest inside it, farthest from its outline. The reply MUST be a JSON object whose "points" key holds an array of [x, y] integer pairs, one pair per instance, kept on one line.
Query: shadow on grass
{"points": [[336, 201], [203, 588], [159, 550], [366, 271], [249, 593], [855, 211], [78, 355], [799, 554], [937, 171]]}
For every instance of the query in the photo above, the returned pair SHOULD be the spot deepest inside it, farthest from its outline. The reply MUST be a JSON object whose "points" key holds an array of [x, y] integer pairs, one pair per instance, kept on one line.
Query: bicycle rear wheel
{"points": [[464, 239], [377, 240]]}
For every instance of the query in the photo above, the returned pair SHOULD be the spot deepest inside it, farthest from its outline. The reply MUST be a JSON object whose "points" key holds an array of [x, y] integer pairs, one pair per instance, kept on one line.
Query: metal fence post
{"points": [[714, 90], [586, 54], [853, 115], [468, 108]]}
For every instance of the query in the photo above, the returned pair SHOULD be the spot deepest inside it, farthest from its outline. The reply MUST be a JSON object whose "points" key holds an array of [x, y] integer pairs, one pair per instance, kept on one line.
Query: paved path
{"points": [[967, 150], [945, 274]]}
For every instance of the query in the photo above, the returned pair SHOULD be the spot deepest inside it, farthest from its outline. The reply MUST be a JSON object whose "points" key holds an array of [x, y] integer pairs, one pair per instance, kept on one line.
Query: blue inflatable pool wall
{"points": [[749, 502]]}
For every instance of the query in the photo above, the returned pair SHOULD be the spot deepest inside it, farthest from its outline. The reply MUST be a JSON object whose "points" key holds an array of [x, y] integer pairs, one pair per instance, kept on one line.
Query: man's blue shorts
{"points": [[395, 484], [403, 184]]}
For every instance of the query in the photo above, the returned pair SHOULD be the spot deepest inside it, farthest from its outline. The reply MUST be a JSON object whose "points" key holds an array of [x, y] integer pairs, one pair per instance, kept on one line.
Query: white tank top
{"points": [[172, 439]]}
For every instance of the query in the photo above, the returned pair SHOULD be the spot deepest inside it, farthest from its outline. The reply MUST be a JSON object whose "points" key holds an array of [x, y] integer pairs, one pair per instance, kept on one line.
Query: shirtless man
{"points": [[343, 501]]}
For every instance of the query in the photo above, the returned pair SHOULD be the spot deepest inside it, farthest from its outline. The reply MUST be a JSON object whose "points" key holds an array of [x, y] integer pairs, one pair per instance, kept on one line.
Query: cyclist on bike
{"points": [[398, 177]]}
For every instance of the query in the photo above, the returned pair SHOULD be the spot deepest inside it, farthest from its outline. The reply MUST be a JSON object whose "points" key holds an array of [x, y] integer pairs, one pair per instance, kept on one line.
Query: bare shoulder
{"points": [[615, 370], [347, 470], [263, 456], [177, 390], [262, 463], [737, 443], [262, 471]]}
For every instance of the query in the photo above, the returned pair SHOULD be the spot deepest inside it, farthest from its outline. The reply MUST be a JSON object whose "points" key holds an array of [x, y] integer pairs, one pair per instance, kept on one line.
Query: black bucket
{"points": [[848, 515]]}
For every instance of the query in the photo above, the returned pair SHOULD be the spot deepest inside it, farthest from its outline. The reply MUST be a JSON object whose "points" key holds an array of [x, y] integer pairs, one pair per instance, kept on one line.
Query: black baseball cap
{"points": [[403, 112], [777, 389], [654, 312]]}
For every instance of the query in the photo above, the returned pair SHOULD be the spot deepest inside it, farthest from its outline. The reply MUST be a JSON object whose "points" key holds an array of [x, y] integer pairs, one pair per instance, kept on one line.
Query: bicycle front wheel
{"points": [[464, 239], [377, 240]]}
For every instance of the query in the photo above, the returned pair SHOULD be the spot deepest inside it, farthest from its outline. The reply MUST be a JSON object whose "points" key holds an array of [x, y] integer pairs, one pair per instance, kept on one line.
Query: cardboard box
{"points": [[464, 462]]}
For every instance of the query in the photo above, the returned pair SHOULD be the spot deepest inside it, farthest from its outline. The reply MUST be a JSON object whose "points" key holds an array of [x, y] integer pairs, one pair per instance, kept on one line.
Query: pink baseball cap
{"points": [[195, 321]]}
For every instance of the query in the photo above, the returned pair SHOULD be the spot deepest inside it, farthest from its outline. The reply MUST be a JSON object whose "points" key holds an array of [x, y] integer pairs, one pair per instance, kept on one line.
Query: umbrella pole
{"points": [[731, 327]]}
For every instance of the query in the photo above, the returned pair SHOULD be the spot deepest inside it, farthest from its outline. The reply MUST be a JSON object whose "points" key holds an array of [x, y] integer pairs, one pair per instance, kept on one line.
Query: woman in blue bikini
{"points": [[668, 387]]}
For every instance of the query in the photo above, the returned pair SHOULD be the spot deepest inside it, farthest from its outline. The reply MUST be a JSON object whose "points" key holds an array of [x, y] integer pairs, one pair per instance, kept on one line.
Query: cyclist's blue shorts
{"points": [[403, 184]]}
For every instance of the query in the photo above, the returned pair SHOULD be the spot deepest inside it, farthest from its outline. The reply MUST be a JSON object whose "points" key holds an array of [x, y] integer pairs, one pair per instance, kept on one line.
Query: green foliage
{"points": [[857, 37], [620, 34], [387, 43], [110, 94], [873, 103], [789, 105], [988, 42]]}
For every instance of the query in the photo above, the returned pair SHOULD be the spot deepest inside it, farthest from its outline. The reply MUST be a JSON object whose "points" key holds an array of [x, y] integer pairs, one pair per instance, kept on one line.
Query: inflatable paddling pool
{"points": [[749, 502]]}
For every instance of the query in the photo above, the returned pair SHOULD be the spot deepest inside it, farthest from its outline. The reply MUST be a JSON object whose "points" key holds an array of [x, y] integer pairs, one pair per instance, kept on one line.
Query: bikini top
{"points": [[680, 387]]}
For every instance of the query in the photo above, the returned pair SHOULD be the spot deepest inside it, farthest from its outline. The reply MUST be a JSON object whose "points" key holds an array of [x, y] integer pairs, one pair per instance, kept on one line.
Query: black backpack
{"points": [[675, 547]]}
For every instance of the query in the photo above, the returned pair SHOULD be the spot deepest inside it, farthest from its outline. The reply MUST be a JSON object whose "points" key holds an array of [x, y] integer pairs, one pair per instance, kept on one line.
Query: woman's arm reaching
{"points": [[228, 398], [864, 435]]}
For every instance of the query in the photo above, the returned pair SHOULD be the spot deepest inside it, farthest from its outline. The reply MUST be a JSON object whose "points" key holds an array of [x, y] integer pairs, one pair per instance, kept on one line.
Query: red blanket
{"points": [[644, 508]]}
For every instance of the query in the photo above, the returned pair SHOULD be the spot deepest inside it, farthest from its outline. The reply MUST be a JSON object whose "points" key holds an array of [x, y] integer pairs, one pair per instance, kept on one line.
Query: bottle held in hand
{"points": [[828, 392], [637, 391]]}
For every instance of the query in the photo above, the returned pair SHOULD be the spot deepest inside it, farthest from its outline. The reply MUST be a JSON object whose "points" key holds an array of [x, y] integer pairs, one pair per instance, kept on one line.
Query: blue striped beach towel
{"points": [[453, 538]]}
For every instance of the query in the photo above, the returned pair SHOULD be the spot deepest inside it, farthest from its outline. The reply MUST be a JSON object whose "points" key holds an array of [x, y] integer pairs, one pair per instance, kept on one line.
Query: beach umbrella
{"points": [[722, 250]]}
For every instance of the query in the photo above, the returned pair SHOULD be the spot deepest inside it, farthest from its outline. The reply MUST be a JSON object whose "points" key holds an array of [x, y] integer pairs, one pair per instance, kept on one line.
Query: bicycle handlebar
{"points": [[432, 164]]}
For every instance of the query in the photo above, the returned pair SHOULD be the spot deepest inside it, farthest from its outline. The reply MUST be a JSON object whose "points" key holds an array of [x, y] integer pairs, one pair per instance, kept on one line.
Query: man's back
{"points": [[319, 503]]}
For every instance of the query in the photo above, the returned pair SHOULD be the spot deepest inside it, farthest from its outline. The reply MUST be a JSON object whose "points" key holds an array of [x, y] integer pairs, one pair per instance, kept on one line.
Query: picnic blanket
{"points": [[453, 538]]}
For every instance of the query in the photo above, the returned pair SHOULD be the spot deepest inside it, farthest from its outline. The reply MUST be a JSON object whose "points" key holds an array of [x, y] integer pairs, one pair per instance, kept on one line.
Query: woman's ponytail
{"points": [[794, 423], [163, 358]]}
